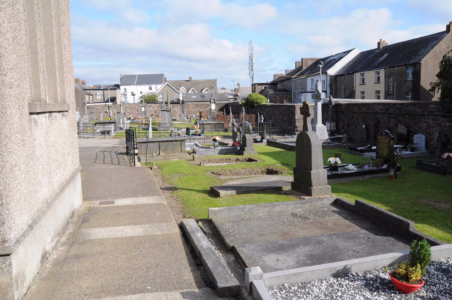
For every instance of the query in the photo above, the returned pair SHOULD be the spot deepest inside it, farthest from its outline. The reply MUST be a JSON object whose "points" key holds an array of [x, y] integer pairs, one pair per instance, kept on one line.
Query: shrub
{"points": [[148, 98], [420, 254], [255, 99]]}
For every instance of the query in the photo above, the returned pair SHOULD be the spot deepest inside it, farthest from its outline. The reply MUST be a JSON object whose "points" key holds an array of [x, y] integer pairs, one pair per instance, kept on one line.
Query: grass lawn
{"points": [[421, 197]]}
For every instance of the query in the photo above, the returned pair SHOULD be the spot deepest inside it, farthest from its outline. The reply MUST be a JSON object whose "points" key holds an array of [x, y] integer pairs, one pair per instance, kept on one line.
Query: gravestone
{"points": [[234, 132], [247, 128], [419, 142], [182, 117], [385, 144], [91, 116], [310, 177], [167, 119], [402, 135], [247, 145]]}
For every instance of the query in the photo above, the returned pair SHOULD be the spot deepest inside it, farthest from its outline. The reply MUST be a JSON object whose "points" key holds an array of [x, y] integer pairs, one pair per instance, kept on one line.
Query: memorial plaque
{"points": [[385, 144], [419, 142]]}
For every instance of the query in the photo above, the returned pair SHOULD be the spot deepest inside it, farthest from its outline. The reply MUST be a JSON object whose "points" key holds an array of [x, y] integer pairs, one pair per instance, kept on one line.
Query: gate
{"points": [[131, 145]]}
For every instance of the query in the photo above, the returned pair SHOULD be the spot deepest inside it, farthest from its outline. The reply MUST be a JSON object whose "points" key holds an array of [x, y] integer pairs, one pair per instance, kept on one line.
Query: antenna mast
{"points": [[251, 63]]}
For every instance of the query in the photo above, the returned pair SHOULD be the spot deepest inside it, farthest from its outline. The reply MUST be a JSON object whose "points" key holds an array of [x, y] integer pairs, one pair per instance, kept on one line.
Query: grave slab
{"points": [[310, 251], [252, 185]]}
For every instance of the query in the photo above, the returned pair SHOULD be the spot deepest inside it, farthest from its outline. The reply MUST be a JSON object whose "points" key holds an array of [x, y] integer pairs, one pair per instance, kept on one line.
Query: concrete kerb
{"points": [[225, 283], [292, 276]]}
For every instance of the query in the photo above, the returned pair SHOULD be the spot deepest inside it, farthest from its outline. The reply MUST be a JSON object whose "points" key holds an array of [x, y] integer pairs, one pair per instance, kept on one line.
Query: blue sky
{"points": [[209, 38]]}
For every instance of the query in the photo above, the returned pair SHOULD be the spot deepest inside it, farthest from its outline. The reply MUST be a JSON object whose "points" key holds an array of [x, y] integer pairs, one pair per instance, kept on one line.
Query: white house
{"points": [[303, 87], [134, 86]]}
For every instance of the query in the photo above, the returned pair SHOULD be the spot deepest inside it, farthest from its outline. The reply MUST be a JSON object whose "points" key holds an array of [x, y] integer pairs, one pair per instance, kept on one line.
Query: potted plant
{"points": [[407, 276], [334, 163], [412, 147], [363, 166], [215, 141], [235, 143]]}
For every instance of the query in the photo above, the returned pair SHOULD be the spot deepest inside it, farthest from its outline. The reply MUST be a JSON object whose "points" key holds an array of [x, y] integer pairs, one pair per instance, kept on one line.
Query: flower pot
{"points": [[334, 168], [405, 288], [412, 150], [216, 145]]}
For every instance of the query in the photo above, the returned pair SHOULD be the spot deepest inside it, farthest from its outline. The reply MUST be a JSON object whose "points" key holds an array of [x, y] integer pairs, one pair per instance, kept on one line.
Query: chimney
{"points": [[277, 75], [189, 78], [77, 80], [381, 44], [306, 62], [298, 64], [448, 27], [83, 83], [121, 76], [164, 79], [288, 71]]}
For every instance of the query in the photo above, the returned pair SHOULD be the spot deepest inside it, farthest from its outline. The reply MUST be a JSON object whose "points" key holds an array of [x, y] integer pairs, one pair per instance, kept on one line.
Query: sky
{"points": [[209, 39]]}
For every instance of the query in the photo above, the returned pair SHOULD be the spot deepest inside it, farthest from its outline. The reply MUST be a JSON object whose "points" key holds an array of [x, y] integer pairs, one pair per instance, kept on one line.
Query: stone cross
{"points": [[306, 111], [262, 118], [234, 131]]}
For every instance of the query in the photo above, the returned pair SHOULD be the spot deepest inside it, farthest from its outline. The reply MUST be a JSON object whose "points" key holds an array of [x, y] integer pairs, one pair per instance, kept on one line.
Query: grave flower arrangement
{"points": [[334, 162], [407, 276], [446, 156], [216, 139], [235, 143], [257, 139], [412, 147], [351, 167]]}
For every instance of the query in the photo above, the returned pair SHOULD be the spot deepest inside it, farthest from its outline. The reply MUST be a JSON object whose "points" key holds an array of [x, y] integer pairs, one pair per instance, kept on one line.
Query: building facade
{"points": [[135, 86], [172, 88], [404, 70], [40, 186]]}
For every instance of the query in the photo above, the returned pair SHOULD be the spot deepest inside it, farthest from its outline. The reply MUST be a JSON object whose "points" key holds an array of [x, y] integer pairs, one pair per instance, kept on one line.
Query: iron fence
{"points": [[131, 145]]}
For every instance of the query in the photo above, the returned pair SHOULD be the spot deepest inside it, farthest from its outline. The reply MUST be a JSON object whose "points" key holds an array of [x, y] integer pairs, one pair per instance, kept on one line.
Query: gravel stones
{"points": [[375, 285]]}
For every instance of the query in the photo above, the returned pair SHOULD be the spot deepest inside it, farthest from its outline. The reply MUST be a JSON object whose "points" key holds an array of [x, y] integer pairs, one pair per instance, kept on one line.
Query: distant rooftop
{"points": [[142, 79]]}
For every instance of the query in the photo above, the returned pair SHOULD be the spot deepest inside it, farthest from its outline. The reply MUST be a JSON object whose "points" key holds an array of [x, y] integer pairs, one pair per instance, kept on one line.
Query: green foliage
{"points": [[148, 98], [421, 255], [444, 83], [377, 162], [405, 272], [255, 99]]}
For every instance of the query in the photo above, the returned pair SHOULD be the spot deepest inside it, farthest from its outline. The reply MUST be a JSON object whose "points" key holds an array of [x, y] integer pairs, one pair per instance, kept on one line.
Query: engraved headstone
{"points": [[234, 132], [247, 145], [310, 177], [419, 142], [385, 144]]}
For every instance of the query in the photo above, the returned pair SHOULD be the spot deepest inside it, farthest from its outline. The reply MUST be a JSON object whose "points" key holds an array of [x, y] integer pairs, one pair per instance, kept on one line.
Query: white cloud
{"points": [[441, 7]]}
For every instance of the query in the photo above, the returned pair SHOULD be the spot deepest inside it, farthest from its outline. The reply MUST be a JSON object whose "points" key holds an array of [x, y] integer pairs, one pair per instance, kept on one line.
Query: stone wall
{"points": [[361, 122], [286, 117], [134, 109]]}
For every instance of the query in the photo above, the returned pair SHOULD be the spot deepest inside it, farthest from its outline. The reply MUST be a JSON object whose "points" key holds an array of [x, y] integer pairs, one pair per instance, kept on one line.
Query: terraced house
{"points": [[401, 71]]}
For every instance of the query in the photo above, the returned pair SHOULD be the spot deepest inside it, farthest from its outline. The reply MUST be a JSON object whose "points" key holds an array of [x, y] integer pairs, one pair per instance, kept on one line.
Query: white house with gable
{"points": [[303, 86], [134, 86]]}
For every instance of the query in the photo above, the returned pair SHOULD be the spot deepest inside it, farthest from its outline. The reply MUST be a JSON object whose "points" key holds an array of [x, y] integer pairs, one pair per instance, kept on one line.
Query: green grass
{"points": [[413, 195]]}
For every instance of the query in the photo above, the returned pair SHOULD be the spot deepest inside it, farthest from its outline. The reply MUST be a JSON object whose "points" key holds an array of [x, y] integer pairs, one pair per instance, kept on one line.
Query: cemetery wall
{"points": [[287, 117], [134, 109], [362, 122], [40, 186]]}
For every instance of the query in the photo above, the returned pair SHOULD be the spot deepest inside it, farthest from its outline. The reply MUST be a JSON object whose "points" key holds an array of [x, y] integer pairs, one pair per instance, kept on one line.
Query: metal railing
{"points": [[131, 145]]}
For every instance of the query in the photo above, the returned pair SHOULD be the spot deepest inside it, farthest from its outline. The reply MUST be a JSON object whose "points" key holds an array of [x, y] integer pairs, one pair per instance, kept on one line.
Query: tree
{"points": [[255, 99], [444, 83], [148, 98]]}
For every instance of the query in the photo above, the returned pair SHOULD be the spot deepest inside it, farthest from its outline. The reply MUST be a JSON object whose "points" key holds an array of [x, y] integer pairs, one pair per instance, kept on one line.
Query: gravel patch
{"points": [[375, 285]]}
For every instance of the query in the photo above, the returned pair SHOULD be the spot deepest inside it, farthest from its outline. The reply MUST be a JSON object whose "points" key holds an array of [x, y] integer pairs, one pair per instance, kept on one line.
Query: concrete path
{"points": [[123, 243]]}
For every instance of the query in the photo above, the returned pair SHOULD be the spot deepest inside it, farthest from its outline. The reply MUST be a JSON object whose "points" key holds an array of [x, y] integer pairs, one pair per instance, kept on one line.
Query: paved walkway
{"points": [[123, 243]]}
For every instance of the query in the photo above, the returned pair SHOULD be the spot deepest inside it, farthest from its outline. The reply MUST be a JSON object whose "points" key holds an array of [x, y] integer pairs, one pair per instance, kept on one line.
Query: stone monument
{"points": [[167, 119], [182, 117], [419, 142], [318, 95], [234, 132], [310, 177], [150, 127], [385, 145], [247, 145]]}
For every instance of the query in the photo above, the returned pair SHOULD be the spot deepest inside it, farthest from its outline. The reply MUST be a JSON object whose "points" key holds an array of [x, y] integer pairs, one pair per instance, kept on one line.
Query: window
{"points": [[133, 99], [141, 93], [285, 85], [205, 91], [324, 85], [377, 76], [377, 95], [409, 73], [363, 95], [363, 78], [265, 87], [316, 83], [160, 96], [125, 90], [150, 87], [312, 84], [343, 95], [390, 85], [125, 98], [409, 96], [342, 81]]}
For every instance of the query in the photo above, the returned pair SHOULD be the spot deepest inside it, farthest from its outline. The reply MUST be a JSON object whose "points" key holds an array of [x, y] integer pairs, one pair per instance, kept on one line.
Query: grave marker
{"points": [[402, 135], [385, 144], [419, 142], [310, 177]]}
